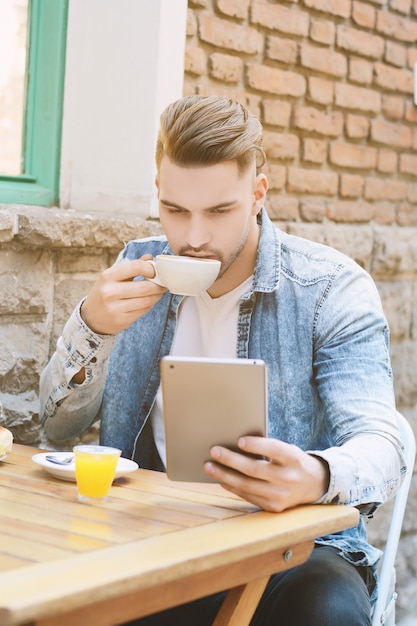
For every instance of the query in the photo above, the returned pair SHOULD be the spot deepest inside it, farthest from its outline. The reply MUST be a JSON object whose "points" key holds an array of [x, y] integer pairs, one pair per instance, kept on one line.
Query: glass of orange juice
{"points": [[95, 467]]}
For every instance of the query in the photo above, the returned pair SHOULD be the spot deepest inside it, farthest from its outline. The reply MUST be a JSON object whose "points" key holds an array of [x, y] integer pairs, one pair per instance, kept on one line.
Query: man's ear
{"points": [[259, 191], [157, 182]]}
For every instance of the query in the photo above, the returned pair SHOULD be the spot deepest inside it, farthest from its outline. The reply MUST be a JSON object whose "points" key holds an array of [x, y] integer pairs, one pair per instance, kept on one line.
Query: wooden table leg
{"points": [[240, 603]]}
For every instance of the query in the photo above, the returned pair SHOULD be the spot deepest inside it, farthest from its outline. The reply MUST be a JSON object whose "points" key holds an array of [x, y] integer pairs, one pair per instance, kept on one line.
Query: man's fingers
{"points": [[275, 450], [117, 300], [128, 270]]}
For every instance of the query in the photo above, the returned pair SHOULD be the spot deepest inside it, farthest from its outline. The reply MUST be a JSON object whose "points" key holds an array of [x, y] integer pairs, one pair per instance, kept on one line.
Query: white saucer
{"points": [[67, 472]]}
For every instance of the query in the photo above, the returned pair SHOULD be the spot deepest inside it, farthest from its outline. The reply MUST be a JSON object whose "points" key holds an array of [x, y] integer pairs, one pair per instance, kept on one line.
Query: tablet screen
{"points": [[209, 402]]}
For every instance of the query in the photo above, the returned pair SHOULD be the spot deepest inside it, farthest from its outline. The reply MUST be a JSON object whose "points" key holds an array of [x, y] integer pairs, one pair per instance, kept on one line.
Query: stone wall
{"points": [[332, 82], [49, 260]]}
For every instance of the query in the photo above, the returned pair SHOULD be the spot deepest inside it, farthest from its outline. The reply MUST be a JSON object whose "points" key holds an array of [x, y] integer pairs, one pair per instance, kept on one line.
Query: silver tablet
{"points": [[208, 402]]}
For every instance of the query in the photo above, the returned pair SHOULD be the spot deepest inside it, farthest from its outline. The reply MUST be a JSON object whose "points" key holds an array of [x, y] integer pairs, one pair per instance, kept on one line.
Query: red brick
{"points": [[312, 181], [412, 193], [234, 8], [412, 56], [316, 232], [311, 119], [273, 80], [353, 155], [357, 126], [323, 60], [314, 150], [226, 67], [276, 112], [395, 54], [341, 8], [411, 112], [351, 185], [385, 189], [281, 145], [280, 18], [396, 26], [312, 211], [350, 97], [363, 14], [276, 175], [360, 71], [387, 161], [191, 23], [385, 213], [408, 164], [322, 31], [320, 90], [393, 107], [250, 100], [189, 88], [391, 133], [284, 50], [393, 78], [225, 34], [402, 6], [282, 207], [407, 214], [194, 60], [360, 42], [347, 211]]}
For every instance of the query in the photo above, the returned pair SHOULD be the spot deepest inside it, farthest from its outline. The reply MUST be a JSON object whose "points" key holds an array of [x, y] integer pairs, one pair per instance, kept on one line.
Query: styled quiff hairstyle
{"points": [[201, 131]]}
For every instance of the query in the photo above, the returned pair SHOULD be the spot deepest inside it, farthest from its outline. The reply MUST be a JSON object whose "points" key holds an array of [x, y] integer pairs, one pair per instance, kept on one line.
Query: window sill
{"points": [[25, 192]]}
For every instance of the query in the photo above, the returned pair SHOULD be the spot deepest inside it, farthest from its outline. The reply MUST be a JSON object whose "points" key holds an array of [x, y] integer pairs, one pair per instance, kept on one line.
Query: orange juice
{"points": [[95, 467]]}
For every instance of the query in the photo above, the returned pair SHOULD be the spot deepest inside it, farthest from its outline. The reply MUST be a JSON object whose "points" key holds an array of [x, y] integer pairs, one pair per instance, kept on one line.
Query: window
{"points": [[38, 181]]}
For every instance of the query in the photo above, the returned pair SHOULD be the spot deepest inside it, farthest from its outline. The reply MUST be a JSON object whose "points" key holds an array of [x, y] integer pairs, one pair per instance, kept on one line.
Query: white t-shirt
{"points": [[206, 327]]}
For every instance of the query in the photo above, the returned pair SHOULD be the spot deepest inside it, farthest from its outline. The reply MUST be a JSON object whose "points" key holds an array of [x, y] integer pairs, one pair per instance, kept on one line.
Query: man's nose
{"points": [[197, 235]]}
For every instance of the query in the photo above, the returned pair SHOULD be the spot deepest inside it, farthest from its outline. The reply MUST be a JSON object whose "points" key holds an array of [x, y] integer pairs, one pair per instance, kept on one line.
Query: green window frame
{"points": [[45, 69]]}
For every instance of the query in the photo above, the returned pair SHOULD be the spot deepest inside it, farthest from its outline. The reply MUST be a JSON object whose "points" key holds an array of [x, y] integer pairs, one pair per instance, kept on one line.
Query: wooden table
{"points": [[154, 544]]}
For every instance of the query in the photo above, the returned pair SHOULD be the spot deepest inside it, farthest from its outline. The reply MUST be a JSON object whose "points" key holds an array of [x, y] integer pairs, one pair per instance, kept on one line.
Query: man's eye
{"points": [[174, 210]]}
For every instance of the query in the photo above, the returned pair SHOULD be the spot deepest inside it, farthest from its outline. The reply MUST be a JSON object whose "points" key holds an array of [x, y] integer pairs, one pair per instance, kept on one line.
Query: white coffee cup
{"points": [[184, 275]]}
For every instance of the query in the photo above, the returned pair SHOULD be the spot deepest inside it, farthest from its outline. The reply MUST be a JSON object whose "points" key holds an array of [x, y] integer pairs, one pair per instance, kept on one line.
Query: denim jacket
{"points": [[314, 316]]}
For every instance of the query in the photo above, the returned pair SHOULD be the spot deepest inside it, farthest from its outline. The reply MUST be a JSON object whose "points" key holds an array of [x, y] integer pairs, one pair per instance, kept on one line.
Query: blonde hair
{"points": [[199, 131]]}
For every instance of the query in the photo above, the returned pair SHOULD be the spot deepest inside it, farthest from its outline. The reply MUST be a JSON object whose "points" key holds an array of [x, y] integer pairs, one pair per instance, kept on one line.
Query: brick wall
{"points": [[333, 84], [332, 81]]}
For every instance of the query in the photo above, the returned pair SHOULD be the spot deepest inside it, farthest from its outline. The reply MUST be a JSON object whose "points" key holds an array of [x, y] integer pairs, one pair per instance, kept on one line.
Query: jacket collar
{"points": [[268, 262]]}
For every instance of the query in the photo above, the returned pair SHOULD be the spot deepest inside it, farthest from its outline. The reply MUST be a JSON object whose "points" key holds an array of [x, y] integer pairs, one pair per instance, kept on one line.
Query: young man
{"points": [[309, 312]]}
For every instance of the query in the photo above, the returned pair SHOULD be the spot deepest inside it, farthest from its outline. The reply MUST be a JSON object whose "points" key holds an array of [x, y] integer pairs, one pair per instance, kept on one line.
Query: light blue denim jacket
{"points": [[314, 316]]}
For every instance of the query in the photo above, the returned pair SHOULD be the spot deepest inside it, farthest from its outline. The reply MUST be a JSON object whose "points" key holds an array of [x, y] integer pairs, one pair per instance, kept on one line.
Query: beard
{"points": [[226, 262]]}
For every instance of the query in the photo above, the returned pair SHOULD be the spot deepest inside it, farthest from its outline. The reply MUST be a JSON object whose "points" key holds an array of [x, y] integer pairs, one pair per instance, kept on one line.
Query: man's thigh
{"points": [[199, 613], [327, 590]]}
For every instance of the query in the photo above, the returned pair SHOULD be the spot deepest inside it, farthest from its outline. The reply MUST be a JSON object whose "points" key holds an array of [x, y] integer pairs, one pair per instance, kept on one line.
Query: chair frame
{"points": [[384, 610]]}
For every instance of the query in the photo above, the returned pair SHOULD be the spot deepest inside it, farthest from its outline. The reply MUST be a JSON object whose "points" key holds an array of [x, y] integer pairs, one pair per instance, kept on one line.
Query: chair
{"points": [[384, 611]]}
